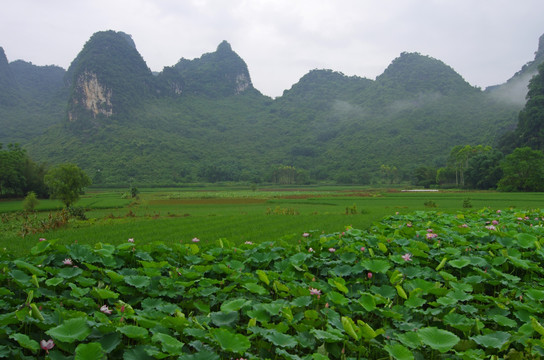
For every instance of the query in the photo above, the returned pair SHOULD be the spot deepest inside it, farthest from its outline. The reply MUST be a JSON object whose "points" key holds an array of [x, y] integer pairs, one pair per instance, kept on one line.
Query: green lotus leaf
{"points": [[535, 294], [399, 352], [302, 301], [256, 289], [26, 342], [234, 305], [525, 240], [338, 283], [330, 335], [229, 341], [54, 281], [110, 341], [458, 321], [367, 301], [337, 298], [169, 344], [104, 293], [138, 352], [90, 351], [493, 340], [438, 339], [376, 266], [299, 259], [133, 332], [42, 246], [410, 339], [201, 355], [225, 319], [414, 302], [29, 267], [138, 280], [70, 330], [21, 278], [275, 307], [282, 340], [69, 272], [504, 321], [342, 270], [459, 263]]}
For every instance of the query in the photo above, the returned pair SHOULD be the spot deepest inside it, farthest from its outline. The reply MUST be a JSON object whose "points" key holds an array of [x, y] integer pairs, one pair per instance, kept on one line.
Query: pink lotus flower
{"points": [[42, 239], [310, 250], [47, 345], [464, 226], [131, 240], [498, 211], [305, 234], [407, 257], [369, 275], [332, 250], [491, 227], [431, 235], [105, 309], [195, 240], [363, 248], [67, 262], [429, 230], [315, 291], [495, 222], [409, 224], [248, 243]]}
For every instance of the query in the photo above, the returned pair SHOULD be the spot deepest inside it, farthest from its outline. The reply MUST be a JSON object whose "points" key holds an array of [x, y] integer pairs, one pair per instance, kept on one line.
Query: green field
{"points": [[239, 215]]}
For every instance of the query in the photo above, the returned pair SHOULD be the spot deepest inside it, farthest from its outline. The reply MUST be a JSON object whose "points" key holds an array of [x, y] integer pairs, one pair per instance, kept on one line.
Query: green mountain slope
{"points": [[202, 119]]}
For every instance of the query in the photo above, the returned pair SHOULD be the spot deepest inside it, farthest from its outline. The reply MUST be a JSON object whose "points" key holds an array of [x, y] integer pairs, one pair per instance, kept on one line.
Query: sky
{"points": [[485, 41]]}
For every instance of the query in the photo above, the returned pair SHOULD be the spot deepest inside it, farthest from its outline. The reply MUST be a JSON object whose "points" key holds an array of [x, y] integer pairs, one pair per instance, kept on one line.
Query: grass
{"points": [[239, 215]]}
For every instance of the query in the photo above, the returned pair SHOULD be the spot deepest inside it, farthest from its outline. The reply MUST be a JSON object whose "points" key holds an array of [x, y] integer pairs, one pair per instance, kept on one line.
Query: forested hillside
{"points": [[202, 119]]}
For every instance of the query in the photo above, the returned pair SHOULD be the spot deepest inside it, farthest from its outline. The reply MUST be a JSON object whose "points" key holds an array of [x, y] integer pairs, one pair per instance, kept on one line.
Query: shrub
{"points": [[30, 202]]}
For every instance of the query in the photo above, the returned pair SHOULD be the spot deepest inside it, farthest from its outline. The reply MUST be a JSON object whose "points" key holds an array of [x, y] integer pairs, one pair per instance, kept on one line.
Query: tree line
{"points": [[517, 164], [20, 176]]}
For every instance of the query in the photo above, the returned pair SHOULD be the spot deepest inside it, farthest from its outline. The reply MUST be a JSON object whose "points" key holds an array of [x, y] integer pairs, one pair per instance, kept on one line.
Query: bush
{"points": [[78, 212], [30, 202]]}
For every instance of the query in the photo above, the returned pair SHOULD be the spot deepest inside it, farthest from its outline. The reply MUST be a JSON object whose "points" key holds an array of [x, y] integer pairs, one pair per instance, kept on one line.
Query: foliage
{"points": [[425, 176], [66, 182], [523, 171], [19, 174], [30, 202], [530, 129], [192, 122], [423, 285], [33, 224], [484, 170]]}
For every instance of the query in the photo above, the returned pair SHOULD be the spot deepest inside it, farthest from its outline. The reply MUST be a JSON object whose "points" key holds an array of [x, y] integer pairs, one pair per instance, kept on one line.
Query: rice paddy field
{"points": [[239, 215], [307, 273]]}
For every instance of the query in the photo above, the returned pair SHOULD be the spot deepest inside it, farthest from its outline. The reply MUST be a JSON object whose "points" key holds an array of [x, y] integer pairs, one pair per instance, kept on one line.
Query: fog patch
{"points": [[419, 101], [341, 107], [514, 91]]}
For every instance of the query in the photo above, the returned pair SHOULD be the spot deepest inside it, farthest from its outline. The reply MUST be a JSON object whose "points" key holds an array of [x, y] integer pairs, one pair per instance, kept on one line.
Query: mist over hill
{"points": [[203, 120]]}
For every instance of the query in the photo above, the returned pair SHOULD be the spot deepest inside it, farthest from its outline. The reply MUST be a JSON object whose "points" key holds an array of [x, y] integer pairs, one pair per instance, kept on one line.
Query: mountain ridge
{"points": [[202, 119]]}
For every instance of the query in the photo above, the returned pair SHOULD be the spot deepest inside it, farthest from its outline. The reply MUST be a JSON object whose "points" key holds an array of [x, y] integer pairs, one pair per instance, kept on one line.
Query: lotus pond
{"points": [[426, 285]]}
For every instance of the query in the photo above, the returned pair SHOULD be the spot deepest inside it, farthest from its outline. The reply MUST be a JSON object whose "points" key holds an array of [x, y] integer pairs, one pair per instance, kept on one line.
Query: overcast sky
{"points": [[486, 41]]}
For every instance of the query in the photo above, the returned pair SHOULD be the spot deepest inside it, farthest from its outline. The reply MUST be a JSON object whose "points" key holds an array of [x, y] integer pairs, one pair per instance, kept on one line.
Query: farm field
{"points": [[239, 215], [452, 283]]}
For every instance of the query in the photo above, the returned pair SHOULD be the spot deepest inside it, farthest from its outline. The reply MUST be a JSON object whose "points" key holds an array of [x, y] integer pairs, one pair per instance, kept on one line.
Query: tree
{"points": [[523, 171], [30, 202], [425, 176], [66, 182], [19, 174], [484, 170], [459, 157], [530, 129]]}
